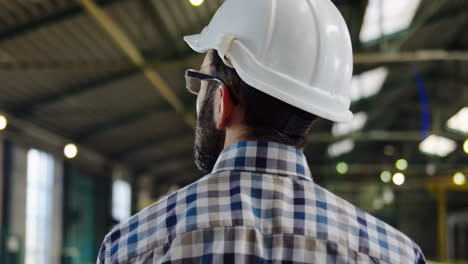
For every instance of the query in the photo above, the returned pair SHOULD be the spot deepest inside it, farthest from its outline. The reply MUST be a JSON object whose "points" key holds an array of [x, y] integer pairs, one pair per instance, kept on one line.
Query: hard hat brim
{"points": [[194, 42]]}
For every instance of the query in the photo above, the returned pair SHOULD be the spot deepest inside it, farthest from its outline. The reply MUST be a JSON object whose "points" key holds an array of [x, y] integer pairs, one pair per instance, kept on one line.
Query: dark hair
{"points": [[266, 118]]}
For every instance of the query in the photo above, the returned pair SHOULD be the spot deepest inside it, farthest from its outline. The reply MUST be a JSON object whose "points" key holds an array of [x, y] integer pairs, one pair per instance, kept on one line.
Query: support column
{"points": [[442, 224]]}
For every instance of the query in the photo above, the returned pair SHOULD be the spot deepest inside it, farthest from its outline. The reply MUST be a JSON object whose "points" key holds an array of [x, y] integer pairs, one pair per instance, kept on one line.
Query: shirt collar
{"points": [[265, 157]]}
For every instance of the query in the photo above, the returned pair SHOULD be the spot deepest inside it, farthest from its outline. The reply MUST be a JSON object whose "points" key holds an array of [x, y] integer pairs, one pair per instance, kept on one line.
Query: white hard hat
{"points": [[296, 51]]}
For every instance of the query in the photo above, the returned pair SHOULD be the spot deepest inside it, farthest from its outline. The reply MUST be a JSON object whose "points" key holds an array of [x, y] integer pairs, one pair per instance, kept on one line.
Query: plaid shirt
{"points": [[259, 205]]}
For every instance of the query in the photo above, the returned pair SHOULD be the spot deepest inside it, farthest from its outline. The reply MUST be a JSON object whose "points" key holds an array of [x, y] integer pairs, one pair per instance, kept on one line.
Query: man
{"points": [[271, 69]]}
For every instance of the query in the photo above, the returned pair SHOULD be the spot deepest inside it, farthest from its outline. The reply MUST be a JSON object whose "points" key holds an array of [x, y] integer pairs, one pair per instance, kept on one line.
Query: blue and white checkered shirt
{"points": [[259, 205]]}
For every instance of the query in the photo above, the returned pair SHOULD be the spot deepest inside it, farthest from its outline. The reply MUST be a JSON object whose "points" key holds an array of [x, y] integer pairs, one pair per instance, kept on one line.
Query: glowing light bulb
{"points": [[196, 2], [70, 151], [3, 122], [342, 168], [398, 178], [385, 176], [465, 146], [459, 178], [401, 164]]}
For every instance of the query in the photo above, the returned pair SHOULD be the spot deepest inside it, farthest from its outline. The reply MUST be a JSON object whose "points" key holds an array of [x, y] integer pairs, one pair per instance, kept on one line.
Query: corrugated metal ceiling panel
{"points": [[81, 112]]}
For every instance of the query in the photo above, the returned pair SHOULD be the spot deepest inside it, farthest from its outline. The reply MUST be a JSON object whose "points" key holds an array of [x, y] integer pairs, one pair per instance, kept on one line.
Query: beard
{"points": [[209, 141]]}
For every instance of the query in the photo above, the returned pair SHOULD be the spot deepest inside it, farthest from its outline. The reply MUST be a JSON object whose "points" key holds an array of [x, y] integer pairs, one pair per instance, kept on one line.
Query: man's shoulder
{"points": [[150, 228], [372, 235]]}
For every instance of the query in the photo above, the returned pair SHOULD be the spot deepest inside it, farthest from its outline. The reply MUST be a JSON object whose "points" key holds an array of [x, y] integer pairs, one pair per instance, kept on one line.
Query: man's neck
{"points": [[237, 134], [234, 134]]}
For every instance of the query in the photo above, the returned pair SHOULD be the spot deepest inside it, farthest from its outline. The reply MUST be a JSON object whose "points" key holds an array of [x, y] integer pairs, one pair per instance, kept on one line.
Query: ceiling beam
{"points": [[132, 52], [46, 20], [150, 9], [27, 108], [361, 169], [86, 66], [373, 135], [361, 58], [418, 22], [130, 70], [53, 142], [154, 59], [410, 57], [380, 135]]}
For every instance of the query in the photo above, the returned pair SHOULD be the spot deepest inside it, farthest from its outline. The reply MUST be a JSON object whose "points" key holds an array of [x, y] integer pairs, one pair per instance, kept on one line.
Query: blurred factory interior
{"points": [[96, 124]]}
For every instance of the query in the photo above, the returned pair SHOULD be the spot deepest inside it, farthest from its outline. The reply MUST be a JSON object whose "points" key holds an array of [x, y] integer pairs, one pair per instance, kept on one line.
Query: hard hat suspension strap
{"points": [[223, 46]]}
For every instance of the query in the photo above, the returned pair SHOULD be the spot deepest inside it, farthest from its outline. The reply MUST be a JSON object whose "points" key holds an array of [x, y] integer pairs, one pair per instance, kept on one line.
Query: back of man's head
{"points": [[266, 118]]}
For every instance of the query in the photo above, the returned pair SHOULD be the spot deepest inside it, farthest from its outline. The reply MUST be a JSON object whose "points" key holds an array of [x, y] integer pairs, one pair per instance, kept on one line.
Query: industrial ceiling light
{"points": [[465, 146], [3, 122], [398, 178], [401, 164], [196, 2], [70, 151], [385, 176], [342, 168], [341, 147], [459, 178], [458, 122], [385, 17], [358, 122], [368, 83], [437, 146]]}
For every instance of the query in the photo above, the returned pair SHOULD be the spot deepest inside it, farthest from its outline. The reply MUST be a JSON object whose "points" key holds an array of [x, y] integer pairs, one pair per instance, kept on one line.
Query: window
{"points": [[39, 207], [121, 200], [385, 17]]}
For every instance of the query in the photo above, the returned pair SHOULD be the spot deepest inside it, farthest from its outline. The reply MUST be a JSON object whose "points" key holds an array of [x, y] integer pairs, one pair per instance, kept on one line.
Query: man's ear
{"points": [[224, 106]]}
